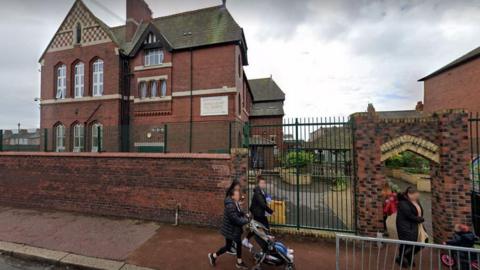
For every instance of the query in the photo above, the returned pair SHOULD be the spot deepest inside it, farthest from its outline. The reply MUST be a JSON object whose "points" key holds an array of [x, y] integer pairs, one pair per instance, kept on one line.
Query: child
{"points": [[232, 229], [259, 208], [463, 237]]}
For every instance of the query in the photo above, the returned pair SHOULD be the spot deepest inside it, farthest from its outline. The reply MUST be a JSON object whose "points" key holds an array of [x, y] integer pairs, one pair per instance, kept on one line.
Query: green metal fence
{"points": [[196, 137], [309, 167]]}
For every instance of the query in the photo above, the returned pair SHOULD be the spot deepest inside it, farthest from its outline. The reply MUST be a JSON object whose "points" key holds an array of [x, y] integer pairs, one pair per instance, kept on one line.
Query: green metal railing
{"points": [[208, 137]]}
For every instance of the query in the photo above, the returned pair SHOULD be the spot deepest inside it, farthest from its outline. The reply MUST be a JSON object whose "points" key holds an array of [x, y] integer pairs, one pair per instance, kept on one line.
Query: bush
{"points": [[300, 159], [409, 160], [339, 184]]}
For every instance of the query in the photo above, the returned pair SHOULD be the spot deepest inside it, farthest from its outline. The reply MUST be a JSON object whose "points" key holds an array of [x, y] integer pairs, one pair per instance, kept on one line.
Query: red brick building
{"points": [[177, 78], [454, 86]]}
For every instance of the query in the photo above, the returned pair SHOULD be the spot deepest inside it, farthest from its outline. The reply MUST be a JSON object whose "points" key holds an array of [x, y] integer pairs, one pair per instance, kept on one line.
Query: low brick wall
{"points": [[142, 186]]}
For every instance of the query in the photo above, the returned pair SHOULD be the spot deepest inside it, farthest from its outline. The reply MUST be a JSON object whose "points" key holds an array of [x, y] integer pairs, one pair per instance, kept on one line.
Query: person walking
{"points": [[232, 229], [259, 208], [409, 226]]}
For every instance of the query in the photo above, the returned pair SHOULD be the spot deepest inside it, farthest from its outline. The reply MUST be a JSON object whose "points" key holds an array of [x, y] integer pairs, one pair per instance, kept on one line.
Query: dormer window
{"points": [[153, 57]]}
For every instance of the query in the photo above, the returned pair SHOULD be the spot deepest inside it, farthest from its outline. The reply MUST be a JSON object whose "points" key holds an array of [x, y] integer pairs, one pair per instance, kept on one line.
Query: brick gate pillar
{"points": [[240, 165], [369, 178], [451, 194]]}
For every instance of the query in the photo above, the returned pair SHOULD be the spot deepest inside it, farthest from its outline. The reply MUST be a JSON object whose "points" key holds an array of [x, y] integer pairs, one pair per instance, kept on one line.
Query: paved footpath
{"points": [[130, 242]]}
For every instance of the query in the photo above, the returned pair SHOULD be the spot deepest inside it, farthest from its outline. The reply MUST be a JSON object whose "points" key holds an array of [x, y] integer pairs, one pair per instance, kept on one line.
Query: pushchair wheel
{"points": [[447, 260]]}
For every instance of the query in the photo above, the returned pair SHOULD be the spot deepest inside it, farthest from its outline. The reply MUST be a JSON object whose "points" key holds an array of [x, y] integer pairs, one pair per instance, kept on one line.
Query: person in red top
{"points": [[390, 203]]}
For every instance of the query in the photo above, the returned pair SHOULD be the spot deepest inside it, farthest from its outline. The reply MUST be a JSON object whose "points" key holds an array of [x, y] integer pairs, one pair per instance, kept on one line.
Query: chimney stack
{"points": [[138, 12]]}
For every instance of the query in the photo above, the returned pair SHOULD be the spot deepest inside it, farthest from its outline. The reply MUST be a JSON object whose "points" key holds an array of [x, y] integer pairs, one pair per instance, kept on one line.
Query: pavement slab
{"points": [[85, 235]]}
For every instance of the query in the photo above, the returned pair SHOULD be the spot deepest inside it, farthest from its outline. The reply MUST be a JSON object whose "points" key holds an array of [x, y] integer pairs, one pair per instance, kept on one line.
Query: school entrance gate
{"points": [[308, 164], [328, 173]]}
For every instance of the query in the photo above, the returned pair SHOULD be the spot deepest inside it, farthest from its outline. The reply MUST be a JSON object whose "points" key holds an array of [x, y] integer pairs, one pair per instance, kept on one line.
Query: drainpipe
{"points": [[191, 101]]}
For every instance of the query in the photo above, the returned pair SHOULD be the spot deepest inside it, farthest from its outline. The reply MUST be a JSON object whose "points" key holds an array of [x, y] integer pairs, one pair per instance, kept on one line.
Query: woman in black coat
{"points": [[409, 217], [232, 229]]}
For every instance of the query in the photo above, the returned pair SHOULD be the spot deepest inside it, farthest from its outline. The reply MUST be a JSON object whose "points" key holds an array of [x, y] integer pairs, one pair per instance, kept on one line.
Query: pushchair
{"points": [[460, 261], [271, 252]]}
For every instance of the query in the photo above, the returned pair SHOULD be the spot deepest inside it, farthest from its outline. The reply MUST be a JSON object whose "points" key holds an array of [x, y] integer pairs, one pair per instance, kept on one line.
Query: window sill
{"points": [[149, 100], [83, 99], [164, 65]]}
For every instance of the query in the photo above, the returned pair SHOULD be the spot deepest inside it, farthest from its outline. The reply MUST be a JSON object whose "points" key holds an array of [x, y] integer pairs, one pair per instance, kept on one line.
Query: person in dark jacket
{"points": [[259, 208], [409, 217], [232, 229], [463, 237]]}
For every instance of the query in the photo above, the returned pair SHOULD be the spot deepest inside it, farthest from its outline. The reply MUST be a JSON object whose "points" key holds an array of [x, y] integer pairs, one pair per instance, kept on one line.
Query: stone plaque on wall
{"points": [[211, 106]]}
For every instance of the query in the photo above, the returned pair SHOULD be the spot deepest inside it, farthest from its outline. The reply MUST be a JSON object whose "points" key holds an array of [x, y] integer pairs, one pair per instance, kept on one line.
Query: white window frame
{"points": [[60, 138], [163, 88], [154, 57], [95, 136], [78, 138], [61, 82], [154, 89], [143, 89], [97, 78], [79, 80]]}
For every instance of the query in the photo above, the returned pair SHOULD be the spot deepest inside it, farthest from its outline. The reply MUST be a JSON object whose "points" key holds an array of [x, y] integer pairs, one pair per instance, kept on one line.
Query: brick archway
{"points": [[414, 144], [440, 137]]}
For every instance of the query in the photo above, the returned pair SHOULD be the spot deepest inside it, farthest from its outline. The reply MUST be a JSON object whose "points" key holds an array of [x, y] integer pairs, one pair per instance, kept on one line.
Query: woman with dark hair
{"points": [[232, 229], [409, 225]]}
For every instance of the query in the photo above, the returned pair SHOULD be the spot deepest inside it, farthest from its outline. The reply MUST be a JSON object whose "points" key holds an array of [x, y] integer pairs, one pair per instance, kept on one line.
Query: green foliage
{"points": [[412, 161], [339, 184], [300, 159]]}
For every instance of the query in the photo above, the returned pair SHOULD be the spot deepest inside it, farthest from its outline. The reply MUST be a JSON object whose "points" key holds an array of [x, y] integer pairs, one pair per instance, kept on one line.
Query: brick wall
{"points": [[142, 186], [458, 88], [451, 185]]}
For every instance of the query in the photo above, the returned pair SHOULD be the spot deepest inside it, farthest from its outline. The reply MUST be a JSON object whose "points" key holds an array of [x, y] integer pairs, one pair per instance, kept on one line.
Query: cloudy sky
{"points": [[331, 57]]}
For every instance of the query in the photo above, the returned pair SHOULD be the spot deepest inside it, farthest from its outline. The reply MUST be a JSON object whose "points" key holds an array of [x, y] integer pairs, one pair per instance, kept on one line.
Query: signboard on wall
{"points": [[210, 106]]}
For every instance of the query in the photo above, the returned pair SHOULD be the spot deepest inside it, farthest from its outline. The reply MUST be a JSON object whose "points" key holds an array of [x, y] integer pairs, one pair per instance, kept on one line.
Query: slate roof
{"points": [[267, 109], [268, 98], [266, 90], [400, 114], [197, 28], [463, 59]]}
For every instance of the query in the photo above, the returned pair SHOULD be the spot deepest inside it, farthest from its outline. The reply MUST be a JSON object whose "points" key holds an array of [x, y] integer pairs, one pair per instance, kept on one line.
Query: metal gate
{"points": [[474, 134], [309, 167]]}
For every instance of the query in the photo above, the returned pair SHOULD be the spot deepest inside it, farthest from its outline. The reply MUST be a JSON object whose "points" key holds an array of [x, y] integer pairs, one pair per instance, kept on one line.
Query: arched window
{"points": [[154, 88], [97, 78], [78, 34], [79, 80], [163, 88], [97, 137], [78, 138], [60, 138], [143, 90], [61, 82]]}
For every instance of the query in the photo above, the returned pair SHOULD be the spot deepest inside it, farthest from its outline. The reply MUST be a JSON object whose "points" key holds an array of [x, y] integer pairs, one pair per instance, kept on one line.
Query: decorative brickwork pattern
{"points": [[442, 137], [94, 34], [410, 143], [91, 30]]}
